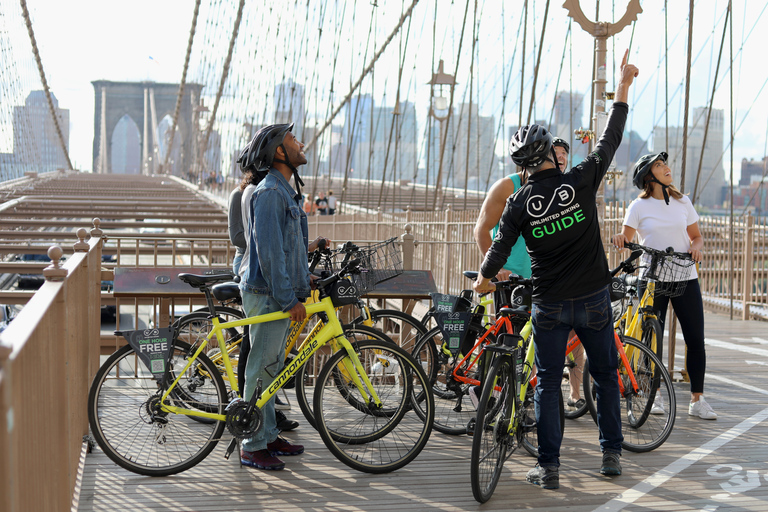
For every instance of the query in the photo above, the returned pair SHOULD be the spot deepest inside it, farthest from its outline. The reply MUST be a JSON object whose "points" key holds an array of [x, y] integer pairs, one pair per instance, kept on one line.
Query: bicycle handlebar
{"points": [[669, 251]]}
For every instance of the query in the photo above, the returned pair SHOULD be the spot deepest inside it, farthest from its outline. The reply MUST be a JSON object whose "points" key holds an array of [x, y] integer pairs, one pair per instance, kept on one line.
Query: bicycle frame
{"points": [[481, 343], [331, 332], [631, 321]]}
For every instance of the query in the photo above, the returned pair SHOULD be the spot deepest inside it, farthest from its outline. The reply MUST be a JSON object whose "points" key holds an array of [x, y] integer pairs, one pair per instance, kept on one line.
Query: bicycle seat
{"points": [[226, 291], [521, 312], [199, 281], [471, 274]]}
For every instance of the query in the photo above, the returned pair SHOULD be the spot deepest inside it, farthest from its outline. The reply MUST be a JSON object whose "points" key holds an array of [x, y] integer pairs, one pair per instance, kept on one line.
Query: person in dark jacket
{"points": [[556, 214]]}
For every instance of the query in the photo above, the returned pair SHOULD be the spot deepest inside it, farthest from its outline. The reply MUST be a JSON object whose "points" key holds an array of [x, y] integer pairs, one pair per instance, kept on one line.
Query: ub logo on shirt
{"points": [[535, 205]]}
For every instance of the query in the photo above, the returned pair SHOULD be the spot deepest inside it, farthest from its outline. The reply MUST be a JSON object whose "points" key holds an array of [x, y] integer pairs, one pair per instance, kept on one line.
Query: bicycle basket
{"points": [[671, 275], [379, 262]]}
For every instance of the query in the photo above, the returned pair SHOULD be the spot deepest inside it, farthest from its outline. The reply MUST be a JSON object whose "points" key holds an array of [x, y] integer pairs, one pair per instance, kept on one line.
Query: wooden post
{"points": [[408, 242], [747, 265], [446, 249]]}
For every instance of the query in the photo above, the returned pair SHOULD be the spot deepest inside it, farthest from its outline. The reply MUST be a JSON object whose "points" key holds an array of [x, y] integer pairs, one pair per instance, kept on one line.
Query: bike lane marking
{"points": [[662, 476]]}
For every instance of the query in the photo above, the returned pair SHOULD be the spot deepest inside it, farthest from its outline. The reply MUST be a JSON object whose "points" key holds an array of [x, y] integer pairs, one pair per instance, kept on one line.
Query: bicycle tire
{"points": [[118, 414], [653, 336], [642, 431], [491, 438], [402, 328], [307, 374], [453, 406], [364, 438]]}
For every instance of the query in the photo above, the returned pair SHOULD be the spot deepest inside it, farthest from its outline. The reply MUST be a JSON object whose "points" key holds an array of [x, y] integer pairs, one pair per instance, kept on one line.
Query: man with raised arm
{"points": [[556, 214]]}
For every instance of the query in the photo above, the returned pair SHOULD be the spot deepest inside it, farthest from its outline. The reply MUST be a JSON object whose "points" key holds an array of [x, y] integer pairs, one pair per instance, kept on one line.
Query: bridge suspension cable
{"points": [[47, 90]]}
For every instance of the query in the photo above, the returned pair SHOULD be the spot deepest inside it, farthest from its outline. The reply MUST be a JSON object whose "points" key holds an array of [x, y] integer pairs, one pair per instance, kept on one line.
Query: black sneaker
{"points": [[611, 464], [547, 477], [283, 423]]}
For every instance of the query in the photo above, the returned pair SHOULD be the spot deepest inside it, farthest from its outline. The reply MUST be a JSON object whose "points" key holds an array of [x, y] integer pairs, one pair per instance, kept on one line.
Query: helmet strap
{"points": [[554, 158], [663, 188]]}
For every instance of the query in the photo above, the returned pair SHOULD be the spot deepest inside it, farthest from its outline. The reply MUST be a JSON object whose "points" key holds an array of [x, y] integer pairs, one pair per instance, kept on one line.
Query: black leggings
{"points": [[690, 313]]}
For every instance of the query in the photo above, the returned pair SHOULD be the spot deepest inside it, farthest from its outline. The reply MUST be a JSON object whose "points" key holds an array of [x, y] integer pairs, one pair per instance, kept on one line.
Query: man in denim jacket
{"points": [[274, 274]]}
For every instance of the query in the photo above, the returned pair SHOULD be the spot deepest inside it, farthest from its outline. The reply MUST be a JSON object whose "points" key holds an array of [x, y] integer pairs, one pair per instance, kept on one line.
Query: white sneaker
{"points": [[702, 409], [658, 405]]}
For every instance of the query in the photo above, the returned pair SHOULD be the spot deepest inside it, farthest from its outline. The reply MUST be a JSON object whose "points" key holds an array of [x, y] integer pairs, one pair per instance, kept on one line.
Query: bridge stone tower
{"points": [[132, 128]]}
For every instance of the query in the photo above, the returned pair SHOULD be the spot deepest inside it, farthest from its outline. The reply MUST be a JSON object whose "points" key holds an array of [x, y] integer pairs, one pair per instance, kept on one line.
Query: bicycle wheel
{"points": [[573, 376], [492, 438], [453, 406], [653, 336], [306, 375], [401, 327], [642, 431], [127, 425], [365, 437]]}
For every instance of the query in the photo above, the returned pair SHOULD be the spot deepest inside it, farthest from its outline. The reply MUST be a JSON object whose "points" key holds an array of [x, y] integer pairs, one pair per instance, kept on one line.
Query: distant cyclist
{"points": [[556, 214]]}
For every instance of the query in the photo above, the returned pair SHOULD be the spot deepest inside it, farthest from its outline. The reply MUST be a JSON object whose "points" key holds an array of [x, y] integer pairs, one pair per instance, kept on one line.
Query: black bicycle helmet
{"points": [[643, 168], [557, 141], [259, 155], [530, 146]]}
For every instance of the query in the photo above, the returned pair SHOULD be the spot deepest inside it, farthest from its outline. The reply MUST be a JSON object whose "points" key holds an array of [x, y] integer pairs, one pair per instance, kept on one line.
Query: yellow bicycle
{"points": [[373, 404]]}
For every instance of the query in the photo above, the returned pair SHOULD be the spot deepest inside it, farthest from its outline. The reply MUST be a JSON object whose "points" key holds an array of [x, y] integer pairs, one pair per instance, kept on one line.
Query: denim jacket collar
{"points": [[281, 179]]}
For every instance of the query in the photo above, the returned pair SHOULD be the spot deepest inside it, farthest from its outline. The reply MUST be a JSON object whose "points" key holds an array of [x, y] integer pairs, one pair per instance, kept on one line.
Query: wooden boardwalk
{"points": [[704, 465]]}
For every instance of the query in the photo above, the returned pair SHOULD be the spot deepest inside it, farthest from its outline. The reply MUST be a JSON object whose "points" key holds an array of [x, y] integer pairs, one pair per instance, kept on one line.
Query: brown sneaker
{"points": [[261, 459], [282, 447]]}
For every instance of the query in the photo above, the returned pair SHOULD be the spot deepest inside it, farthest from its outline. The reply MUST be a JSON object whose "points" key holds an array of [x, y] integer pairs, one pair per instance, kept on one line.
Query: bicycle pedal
{"points": [[230, 448], [471, 426]]}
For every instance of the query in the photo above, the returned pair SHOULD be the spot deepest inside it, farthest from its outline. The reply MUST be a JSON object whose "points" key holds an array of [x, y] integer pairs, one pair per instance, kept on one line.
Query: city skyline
{"points": [[161, 62]]}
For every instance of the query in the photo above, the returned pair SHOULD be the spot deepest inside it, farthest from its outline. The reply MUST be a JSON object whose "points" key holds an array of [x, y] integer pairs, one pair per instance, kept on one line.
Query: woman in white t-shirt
{"points": [[663, 217]]}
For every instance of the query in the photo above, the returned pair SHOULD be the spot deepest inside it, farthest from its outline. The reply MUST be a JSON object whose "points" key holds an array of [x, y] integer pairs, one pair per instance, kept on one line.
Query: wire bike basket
{"points": [[378, 263], [670, 272]]}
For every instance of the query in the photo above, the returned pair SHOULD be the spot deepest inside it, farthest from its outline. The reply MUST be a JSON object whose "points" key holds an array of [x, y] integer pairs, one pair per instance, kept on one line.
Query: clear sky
{"points": [[85, 40]]}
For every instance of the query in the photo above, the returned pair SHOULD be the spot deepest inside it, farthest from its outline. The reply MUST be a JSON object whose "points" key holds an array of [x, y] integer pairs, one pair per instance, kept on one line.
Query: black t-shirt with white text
{"points": [[556, 214]]}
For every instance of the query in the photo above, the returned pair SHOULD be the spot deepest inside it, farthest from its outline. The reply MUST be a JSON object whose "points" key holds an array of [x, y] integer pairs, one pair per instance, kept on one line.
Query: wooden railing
{"points": [[445, 245], [48, 355]]}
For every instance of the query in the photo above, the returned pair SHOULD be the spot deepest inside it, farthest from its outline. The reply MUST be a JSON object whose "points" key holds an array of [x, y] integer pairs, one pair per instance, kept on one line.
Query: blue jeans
{"points": [[265, 360], [592, 319]]}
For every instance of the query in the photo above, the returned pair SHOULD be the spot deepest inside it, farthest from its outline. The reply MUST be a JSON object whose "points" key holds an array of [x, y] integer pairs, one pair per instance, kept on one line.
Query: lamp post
{"points": [[601, 31], [440, 108]]}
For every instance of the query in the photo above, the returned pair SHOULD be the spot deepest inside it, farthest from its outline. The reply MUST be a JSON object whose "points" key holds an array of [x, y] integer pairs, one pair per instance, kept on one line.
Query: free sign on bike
{"points": [[153, 347]]}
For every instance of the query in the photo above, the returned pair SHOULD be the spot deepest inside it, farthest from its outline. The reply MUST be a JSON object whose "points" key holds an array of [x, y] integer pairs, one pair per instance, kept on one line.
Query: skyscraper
{"points": [[289, 106], [35, 142], [711, 180]]}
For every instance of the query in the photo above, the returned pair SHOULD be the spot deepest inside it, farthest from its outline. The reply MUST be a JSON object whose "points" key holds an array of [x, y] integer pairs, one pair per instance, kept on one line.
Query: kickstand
{"points": [[231, 448], [285, 395]]}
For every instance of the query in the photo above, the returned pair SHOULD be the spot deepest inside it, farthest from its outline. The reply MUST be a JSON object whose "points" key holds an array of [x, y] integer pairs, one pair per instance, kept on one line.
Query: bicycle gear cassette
{"points": [[241, 425]]}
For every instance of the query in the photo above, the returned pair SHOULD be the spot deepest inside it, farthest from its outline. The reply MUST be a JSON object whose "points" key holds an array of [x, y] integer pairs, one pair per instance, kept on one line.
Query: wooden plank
{"points": [[439, 478]]}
